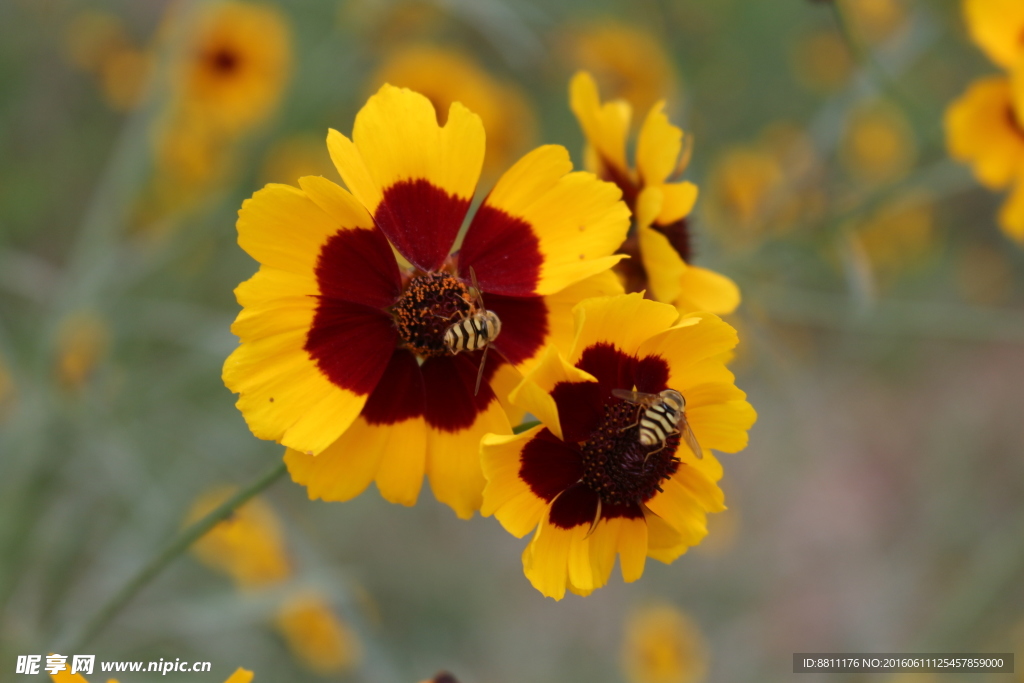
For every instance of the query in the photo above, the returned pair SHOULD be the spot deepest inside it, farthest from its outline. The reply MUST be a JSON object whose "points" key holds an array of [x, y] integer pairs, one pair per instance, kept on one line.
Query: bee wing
{"points": [[690, 438], [480, 371], [634, 396], [476, 288]]}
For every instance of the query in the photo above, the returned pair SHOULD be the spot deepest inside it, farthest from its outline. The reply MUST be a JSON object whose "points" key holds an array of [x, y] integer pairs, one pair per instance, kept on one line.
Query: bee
{"points": [[476, 330], [662, 415]]}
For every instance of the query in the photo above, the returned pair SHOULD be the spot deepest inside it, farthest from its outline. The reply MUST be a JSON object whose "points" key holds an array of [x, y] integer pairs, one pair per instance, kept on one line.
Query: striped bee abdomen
{"points": [[473, 332], [658, 423]]}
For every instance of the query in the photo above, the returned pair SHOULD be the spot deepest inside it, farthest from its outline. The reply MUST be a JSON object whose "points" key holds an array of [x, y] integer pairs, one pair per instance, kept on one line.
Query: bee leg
{"points": [[663, 444]]}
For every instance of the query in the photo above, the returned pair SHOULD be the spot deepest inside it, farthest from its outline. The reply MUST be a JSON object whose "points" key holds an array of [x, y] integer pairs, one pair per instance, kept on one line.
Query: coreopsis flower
{"points": [[248, 546], [984, 130], [660, 244], [878, 144], [996, 27], [320, 640], [445, 76], [343, 357], [663, 645], [235, 65], [582, 479]]}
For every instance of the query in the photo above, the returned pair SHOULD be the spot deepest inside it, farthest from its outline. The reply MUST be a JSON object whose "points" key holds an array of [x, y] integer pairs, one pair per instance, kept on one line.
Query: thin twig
{"points": [[172, 550]]}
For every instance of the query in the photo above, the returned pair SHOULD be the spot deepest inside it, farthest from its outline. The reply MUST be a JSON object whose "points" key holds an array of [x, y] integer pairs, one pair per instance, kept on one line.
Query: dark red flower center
{"points": [[615, 464], [430, 304], [224, 61]]}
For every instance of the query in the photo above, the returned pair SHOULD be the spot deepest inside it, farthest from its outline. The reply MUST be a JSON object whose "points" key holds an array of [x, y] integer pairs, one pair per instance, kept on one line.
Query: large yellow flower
{"points": [[984, 130], [661, 243], [235, 65], [996, 26], [445, 76], [342, 356], [582, 479]]}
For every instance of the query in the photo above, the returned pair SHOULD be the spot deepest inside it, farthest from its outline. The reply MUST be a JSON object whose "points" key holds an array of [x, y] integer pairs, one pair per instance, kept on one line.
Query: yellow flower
{"points": [[663, 645], [248, 546], [316, 635], [82, 342], [661, 243], [297, 156], [235, 65], [582, 479], [743, 183], [93, 37], [628, 62], [878, 144], [996, 27], [876, 20], [822, 60], [446, 76], [343, 355], [123, 76], [899, 233]]}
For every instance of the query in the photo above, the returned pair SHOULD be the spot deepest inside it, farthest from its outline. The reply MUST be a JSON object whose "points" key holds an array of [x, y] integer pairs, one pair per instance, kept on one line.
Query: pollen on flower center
{"points": [[431, 303], [617, 466]]}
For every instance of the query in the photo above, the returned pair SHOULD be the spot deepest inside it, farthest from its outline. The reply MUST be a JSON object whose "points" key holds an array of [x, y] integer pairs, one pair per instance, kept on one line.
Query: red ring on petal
{"points": [[575, 507], [524, 325], [503, 250], [449, 382], [351, 343], [549, 465], [421, 220], [358, 265], [399, 395]]}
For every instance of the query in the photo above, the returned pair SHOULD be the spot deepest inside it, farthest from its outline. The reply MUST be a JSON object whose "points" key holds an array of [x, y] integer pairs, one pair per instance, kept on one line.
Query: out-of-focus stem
{"points": [[172, 550]]}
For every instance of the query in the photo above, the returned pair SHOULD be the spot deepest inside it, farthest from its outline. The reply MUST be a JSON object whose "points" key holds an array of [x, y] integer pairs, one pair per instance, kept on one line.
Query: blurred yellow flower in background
{"points": [[248, 546], [445, 76], [297, 156], [876, 20], [663, 645], [660, 242], [92, 37], [743, 182], [878, 144], [996, 27], [123, 77], [628, 62], [82, 342], [317, 637], [821, 60], [235, 66], [899, 233]]}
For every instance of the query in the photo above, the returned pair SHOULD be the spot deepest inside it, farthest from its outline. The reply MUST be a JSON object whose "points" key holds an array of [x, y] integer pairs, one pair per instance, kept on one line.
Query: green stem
{"points": [[176, 547], [519, 429]]}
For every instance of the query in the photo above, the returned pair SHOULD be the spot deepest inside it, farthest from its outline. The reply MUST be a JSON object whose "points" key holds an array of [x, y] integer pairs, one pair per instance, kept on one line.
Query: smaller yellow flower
{"points": [[996, 26], [878, 144], [92, 38], [821, 60], [446, 76], [248, 546], [899, 233], [236, 65], [629, 62], [663, 645], [660, 242], [316, 635], [82, 343], [877, 20]]}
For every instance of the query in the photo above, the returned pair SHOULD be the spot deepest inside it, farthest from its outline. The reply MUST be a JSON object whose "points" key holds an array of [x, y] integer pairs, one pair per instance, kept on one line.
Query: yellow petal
{"points": [[701, 289], [534, 393], [506, 495], [606, 126], [996, 26], [1011, 216], [679, 200], [658, 147], [345, 468], [626, 321], [666, 270]]}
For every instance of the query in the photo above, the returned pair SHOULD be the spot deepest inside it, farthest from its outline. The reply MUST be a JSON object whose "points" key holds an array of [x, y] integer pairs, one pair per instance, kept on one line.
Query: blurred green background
{"points": [[878, 507]]}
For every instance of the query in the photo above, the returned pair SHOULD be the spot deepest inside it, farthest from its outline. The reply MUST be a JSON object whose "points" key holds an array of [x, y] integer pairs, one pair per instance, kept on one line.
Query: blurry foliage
{"points": [[882, 332]]}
